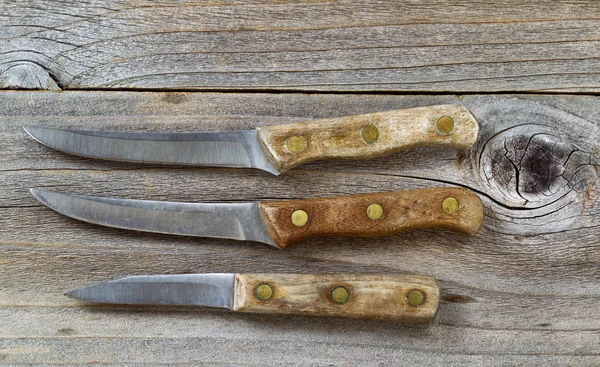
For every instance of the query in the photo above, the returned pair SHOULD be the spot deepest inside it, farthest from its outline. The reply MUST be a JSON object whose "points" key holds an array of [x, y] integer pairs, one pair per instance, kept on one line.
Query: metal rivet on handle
{"points": [[370, 134], [374, 211], [299, 218], [339, 295], [263, 292], [415, 297], [445, 124], [295, 143], [450, 205]]}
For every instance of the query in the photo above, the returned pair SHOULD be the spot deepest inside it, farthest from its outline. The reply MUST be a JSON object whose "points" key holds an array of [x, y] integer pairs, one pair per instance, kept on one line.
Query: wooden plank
{"points": [[367, 45], [524, 290]]}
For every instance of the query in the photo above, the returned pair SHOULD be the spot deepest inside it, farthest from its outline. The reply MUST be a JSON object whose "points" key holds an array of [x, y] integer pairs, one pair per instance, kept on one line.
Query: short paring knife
{"points": [[276, 149], [282, 223], [404, 298]]}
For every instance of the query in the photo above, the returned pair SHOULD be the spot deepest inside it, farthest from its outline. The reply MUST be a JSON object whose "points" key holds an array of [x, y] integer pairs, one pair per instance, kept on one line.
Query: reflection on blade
{"points": [[225, 149], [214, 290], [238, 221]]}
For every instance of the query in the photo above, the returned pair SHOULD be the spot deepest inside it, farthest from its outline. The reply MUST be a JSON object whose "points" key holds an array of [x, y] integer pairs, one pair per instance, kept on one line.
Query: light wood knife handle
{"points": [[372, 215], [368, 136], [404, 298]]}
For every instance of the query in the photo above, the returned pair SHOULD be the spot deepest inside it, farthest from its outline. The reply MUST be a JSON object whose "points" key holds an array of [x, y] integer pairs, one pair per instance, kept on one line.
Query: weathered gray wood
{"points": [[366, 45], [26, 75], [523, 291]]}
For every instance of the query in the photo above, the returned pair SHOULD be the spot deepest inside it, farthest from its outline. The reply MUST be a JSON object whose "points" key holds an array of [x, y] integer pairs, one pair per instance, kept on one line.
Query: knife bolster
{"points": [[372, 215], [365, 296], [368, 136]]}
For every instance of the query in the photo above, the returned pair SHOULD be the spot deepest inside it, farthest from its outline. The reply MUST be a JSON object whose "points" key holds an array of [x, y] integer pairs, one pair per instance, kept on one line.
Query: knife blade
{"points": [[282, 223], [405, 298], [276, 149]]}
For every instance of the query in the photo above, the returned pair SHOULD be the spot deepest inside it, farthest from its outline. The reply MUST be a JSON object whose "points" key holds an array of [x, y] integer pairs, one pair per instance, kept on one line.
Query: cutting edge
{"points": [[209, 289], [238, 221], [234, 149]]}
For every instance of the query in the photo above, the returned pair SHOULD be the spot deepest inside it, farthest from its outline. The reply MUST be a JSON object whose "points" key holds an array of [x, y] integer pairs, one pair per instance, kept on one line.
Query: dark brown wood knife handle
{"points": [[404, 298], [368, 136], [372, 215]]}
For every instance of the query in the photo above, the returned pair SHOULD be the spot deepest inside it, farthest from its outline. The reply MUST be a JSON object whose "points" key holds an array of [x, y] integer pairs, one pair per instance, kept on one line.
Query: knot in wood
{"points": [[25, 75], [529, 166]]}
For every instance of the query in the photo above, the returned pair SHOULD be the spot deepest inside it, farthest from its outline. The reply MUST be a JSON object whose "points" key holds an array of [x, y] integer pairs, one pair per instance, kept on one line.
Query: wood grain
{"points": [[524, 290], [370, 296], [343, 138], [367, 45], [347, 215]]}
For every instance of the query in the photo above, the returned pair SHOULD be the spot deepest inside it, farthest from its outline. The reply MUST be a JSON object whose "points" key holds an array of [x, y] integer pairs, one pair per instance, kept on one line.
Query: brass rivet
{"points": [[299, 217], [450, 205], [263, 292], [370, 134], [445, 124], [374, 211], [339, 295], [295, 143], [415, 297]]}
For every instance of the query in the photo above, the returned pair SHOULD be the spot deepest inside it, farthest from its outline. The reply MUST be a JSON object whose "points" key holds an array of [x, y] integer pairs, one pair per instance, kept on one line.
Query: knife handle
{"points": [[404, 298], [372, 215], [368, 136]]}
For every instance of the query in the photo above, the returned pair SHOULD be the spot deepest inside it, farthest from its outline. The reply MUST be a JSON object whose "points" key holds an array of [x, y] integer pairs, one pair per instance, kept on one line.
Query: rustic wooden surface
{"points": [[322, 45], [523, 291]]}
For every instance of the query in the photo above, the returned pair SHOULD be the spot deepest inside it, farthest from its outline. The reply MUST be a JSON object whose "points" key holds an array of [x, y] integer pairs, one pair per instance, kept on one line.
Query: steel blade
{"points": [[225, 149], [214, 290], [238, 221]]}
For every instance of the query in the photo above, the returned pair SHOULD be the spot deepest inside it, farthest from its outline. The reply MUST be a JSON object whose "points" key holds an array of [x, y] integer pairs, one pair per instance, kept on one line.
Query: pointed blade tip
{"points": [[37, 193], [84, 294], [34, 132], [28, 129], [41, 195], [72, 294]]}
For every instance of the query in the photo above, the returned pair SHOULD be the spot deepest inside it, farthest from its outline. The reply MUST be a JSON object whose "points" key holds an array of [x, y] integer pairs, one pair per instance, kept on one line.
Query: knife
{"points": [[405, 298], [282, 223], [276, 149]]}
